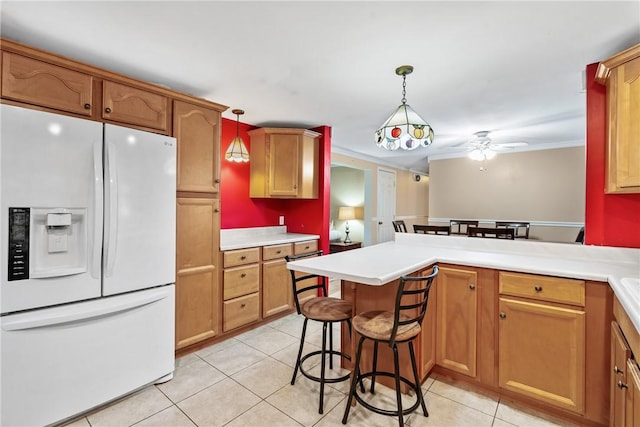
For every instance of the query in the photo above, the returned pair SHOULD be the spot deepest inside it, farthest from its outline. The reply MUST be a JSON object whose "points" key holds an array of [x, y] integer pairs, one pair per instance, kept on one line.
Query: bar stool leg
{"points": [[375, 365], [322, 365], [396, 363], [295, 370], [354, 380], [417, 380]]}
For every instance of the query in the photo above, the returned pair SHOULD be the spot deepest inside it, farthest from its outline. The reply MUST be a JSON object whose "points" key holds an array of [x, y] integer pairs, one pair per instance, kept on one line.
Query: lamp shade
{"points": [[345, 213]]}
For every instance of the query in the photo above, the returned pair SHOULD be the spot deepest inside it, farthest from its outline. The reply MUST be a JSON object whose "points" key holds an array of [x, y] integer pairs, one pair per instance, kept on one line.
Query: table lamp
{"points": [[345, 213]]}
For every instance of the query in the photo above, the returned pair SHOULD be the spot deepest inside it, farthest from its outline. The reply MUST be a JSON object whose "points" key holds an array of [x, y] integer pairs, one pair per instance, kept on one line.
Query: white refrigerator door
{"points": [[51, 164], [140, 210], [58, 362]]}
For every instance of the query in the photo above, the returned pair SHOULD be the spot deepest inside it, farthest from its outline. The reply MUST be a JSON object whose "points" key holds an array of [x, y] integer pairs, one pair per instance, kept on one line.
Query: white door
{"points": [[140, 210], [386, 204], [51, 191]]}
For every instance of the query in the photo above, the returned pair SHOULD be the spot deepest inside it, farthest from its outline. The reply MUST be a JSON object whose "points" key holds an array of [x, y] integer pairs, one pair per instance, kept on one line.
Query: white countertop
{"points": [[385, 262], [241, 238]]}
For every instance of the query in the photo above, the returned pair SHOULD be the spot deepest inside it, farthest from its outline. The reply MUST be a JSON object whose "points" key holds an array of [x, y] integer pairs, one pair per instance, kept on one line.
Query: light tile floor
{"points": [[245, 381]]}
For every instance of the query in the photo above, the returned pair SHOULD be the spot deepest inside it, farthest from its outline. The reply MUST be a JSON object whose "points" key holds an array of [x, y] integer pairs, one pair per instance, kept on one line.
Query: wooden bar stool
{"points": [[323, 309], [401, 326]]}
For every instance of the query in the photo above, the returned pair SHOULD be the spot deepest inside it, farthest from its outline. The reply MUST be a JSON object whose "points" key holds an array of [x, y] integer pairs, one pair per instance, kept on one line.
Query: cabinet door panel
{"points": [[40, 83], [277, 291], [619, 355], [197, 130], [457, 320], [134, 106], [542, 352], [283, 161]]}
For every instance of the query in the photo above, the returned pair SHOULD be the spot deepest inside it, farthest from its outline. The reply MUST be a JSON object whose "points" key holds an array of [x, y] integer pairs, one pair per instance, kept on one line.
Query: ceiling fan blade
{"points": [[511, 144]]}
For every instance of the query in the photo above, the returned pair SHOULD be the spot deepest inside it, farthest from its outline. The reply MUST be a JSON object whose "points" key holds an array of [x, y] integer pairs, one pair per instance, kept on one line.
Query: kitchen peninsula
{"points": [[529, 321]]}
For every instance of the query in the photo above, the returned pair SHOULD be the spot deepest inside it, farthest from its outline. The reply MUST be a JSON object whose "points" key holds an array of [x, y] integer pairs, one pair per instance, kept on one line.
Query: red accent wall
{"points": [[610, 219], [238, 210]]}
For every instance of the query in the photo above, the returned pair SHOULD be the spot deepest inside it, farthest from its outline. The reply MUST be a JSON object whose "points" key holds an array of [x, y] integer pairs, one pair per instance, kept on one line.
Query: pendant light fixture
{"points": [[237, 151], [405, 128]]}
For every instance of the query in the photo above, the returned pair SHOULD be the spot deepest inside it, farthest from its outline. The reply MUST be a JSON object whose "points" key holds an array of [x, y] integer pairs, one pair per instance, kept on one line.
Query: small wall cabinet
{"points": [[284, 163], [621, 75], [40, 83]]}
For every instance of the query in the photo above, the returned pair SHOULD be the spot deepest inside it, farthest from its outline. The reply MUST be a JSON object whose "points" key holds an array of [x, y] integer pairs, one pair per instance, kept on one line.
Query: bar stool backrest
{"points": [[311, 281], [407, 309]]}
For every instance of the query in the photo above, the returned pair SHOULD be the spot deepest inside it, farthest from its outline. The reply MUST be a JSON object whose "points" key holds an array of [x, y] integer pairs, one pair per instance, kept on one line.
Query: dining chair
{"points": [[402, 325], [461, 226], [495, 233], [399, 226], [431, 229], [521, 228], [324, 309]]}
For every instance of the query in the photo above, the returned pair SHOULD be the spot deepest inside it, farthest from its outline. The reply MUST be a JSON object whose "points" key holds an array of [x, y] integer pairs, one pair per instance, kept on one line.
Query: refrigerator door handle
{"points": [[111, 213], [97, 209], [81, 312]]}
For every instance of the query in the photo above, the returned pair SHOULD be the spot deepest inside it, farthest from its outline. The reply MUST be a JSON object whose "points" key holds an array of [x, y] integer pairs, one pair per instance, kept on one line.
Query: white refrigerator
{"points": [[87, 228]]}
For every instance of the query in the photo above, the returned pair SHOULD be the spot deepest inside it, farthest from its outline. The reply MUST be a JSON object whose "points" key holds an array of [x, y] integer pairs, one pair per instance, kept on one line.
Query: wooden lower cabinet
{"points": [[457, 313], [542, 352], [277, 291], [197, 288]]}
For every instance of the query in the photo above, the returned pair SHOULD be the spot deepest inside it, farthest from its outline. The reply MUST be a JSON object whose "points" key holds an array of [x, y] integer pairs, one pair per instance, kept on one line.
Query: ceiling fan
{"points": [[481, 147]]}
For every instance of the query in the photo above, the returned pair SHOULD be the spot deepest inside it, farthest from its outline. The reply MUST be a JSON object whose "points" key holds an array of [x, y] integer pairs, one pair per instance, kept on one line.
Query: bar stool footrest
{"points": [[327, 353], [387, 411]]}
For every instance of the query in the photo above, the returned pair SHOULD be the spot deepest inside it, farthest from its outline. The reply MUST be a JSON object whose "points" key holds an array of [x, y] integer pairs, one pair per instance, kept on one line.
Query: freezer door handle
{"points": [[81, 312], [97, 209], [111, 214]]}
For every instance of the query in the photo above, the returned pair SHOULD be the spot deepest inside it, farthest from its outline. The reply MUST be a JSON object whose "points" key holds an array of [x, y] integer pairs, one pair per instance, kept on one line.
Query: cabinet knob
{"points": [[243, 275], [617, 370], [87, 106], [107, 110], [503, 315], [621, 385], [472, 286], [538, 288]]}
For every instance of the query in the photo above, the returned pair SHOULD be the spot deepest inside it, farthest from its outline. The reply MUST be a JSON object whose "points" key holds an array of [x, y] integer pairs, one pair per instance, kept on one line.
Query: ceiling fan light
{"points": [[476, 154]]}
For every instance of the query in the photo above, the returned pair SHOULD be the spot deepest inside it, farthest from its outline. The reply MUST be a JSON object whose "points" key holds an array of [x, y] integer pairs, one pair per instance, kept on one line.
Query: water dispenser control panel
{"points": [[18, 268]]}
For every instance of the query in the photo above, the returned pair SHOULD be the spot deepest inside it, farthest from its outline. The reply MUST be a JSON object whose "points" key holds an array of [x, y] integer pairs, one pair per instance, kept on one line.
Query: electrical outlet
{"points": [[281, 220]]}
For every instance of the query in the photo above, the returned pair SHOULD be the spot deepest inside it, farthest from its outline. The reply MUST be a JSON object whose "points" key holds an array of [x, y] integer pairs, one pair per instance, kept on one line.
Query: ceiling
{"points": [[513, 68]]}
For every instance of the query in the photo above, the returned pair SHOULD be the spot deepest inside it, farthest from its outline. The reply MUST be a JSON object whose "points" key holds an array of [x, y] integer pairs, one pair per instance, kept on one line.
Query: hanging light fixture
{"points": [[405, 128], [237, 151]]}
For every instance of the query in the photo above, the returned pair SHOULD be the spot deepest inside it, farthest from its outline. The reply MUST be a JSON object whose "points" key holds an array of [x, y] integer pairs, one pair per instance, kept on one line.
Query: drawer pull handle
{"points": [[243, 275], [617, 370], [87, 106], [622, 385], [538, 288], [107, 110], [472, 286], [243, 305], [503, 315]]}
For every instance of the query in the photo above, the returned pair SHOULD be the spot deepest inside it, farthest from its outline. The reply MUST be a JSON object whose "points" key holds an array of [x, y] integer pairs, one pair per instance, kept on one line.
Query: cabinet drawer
{"points": [[276, 251], [545, 288], [134, 106], [240, 311], [305, 247], [241, 257], [241, 281], [40, 83]]}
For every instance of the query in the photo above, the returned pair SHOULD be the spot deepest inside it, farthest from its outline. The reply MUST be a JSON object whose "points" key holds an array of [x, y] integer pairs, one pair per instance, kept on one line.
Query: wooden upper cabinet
{"points": [[197, 130], [621, 74], [43, 84], [284, 163], [127, 104]]}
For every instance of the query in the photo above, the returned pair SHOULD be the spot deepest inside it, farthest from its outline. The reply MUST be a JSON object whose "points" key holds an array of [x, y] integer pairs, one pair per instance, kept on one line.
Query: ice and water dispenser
{"points": [[45, 242]]}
